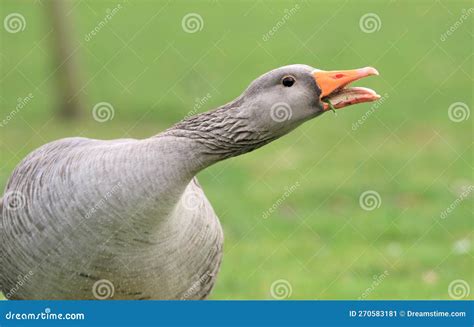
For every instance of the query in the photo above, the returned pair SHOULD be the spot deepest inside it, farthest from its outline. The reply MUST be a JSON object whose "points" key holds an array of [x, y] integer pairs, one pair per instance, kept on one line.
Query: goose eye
{"points": [[288, 81]]}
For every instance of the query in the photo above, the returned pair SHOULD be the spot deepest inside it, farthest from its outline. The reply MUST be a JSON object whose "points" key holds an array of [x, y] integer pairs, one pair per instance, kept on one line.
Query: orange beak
{"points": [[333, 87]]}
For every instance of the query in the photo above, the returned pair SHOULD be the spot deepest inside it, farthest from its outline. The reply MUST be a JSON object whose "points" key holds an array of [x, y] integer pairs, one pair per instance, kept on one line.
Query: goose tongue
{"points": [[333, 87]]}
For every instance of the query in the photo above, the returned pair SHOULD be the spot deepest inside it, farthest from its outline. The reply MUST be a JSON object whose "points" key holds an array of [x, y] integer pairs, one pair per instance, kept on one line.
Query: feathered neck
{"points": [[221, 133]]}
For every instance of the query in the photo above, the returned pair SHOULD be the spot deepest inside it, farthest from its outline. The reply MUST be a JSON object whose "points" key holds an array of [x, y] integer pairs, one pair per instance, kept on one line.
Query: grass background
{"points": [[319, 239]]}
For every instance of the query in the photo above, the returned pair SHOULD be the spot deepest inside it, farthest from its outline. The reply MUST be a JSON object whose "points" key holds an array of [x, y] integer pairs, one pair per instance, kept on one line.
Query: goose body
{"points": [[130, 213], [112, 206]]}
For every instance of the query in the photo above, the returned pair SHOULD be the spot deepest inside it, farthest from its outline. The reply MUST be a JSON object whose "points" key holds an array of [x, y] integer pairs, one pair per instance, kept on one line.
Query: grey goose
{"points": [[130, 213]]}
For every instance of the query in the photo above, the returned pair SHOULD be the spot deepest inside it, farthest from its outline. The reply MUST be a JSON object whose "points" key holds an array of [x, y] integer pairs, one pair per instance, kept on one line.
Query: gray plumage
{"points": [[79, 211]]}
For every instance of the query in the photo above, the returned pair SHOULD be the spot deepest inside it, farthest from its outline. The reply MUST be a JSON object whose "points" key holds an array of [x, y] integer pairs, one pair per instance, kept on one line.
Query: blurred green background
{"points": [[319, 239]]}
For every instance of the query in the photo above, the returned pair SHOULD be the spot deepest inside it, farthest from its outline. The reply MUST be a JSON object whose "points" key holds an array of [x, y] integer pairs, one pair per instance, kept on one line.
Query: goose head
{"points": [[283, 98], [273, 105]]}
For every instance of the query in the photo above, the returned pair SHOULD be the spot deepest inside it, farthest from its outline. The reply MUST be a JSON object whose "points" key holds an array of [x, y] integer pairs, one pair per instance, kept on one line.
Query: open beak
{"points": [[333, 87]]}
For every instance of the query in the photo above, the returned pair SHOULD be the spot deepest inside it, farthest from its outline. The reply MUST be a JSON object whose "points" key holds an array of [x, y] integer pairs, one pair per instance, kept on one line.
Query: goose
{"points": [[127, 219]]}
